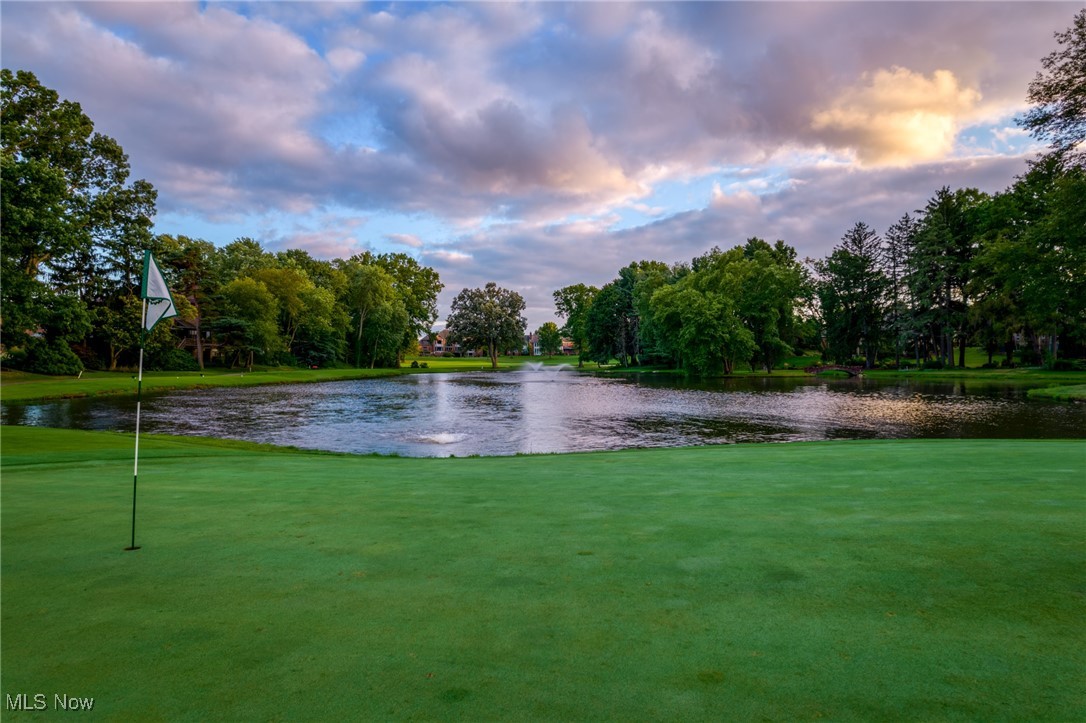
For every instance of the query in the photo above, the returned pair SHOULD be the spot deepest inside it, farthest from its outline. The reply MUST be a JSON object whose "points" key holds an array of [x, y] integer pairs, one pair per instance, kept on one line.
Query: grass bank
{"points": [[1071, 393], [883, 580], [20, 386]]}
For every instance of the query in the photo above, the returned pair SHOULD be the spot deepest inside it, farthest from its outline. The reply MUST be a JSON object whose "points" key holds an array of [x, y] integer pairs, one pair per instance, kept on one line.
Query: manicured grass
{"points": [[883, 580], [21, 386], [1072, 393]]}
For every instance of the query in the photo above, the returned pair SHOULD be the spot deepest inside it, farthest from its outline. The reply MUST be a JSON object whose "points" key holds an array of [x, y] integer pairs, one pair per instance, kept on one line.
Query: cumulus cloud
{"points": [[202, 102], [897, 116]]}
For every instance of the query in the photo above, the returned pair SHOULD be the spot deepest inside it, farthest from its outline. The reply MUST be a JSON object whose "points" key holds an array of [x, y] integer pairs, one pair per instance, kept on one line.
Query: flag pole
{"points": [[139, 395]]}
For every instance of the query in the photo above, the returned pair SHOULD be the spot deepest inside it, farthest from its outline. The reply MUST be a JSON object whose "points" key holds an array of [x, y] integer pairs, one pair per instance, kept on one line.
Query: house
{"points": [[438, 344], [186, 334]]}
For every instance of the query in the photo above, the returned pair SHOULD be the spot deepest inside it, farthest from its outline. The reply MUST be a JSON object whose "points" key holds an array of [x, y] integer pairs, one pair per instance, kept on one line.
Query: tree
{"points": [[192, 261], [289, 287], [573, 304], [489, 317], [417, 287], [249, 320], [703, 326], [368, 287], [318, 340], [550, 338], [851, 286], [607, 326], [941, 264], [386, 326], [68, 215], [1033, 268], [897, 247], [1059, 97], [242, 257]]}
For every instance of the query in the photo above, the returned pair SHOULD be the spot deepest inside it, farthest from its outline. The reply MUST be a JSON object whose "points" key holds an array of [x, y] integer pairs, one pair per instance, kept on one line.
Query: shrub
{"points": [[424, 365], [51, 357], [171, 360], [1030, 358], [414, 365], [932, 364], [1065, 365]]}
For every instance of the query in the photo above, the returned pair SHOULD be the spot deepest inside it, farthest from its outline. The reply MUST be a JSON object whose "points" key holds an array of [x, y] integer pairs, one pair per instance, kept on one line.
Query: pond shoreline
{"points": [[18, 386]]}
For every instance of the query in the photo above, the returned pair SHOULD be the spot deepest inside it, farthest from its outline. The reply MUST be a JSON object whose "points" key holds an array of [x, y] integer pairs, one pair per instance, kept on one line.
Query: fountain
{"points": [[542, 367]]}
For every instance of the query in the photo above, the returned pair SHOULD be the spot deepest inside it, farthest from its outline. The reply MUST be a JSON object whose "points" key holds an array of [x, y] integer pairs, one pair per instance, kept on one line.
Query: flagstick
{"points": [[139, 395]]}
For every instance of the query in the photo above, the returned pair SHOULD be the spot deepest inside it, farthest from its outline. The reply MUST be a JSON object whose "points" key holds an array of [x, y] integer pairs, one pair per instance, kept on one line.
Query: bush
{"points": [[1030, 358], [172, 360], [51, 357], [286, 359], [1065, 365], [414, 365], [932, 364], [424, 365]]}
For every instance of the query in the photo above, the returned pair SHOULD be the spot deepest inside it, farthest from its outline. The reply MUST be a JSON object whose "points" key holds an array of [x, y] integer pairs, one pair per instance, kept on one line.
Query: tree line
{"points": [[73, 235], [1004, 271]]}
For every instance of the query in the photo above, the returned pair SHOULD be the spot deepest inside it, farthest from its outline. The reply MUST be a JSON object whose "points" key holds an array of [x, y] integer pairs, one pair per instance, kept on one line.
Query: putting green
{"points": [[874, 580]]}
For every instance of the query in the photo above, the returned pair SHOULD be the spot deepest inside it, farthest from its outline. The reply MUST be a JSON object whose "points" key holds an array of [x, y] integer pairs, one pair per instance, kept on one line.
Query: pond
{"points": [[560, 410]]}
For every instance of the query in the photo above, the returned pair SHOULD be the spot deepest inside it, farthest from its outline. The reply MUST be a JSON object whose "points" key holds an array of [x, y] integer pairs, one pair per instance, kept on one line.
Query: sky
{"points": [[539, 145]]}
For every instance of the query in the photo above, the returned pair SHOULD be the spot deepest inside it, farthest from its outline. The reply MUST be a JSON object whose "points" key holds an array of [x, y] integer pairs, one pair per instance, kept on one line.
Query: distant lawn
{"points": [[881, 580], [19, 386], [1075, 392]]}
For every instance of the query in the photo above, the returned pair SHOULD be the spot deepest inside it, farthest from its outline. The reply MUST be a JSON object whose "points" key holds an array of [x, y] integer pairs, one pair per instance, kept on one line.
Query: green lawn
{"points": [[1073, 392], [21, 386], [882, 580]]}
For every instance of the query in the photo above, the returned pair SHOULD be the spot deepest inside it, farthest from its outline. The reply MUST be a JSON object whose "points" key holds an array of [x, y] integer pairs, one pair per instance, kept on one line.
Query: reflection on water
{"points": [[561, 411]]}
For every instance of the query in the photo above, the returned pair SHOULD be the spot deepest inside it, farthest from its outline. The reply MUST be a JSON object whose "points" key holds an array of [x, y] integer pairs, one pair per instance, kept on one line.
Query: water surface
{"points": [[546, 410]]}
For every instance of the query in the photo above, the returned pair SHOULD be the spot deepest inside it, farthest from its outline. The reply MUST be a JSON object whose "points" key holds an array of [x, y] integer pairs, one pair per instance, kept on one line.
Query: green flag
{"points": [[159, 302]]}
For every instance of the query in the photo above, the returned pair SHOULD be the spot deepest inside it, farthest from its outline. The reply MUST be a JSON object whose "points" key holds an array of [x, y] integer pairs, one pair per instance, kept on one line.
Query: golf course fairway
{"points": [[868, 580]]}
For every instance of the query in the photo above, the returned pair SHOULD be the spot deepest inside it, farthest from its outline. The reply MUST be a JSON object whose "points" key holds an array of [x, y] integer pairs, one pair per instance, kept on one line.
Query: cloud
{"points": [[202, 101], [405, 239], [897, 116], [504, 122]]}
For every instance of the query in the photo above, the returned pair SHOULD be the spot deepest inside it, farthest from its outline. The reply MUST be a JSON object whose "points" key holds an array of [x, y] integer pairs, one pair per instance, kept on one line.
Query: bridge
{"points": [[851, 371]]}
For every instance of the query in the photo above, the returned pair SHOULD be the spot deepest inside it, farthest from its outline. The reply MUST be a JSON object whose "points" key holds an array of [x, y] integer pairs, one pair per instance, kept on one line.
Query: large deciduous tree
{"points": [[72, 226], [489, 318], [573, 304], [550, 338]]}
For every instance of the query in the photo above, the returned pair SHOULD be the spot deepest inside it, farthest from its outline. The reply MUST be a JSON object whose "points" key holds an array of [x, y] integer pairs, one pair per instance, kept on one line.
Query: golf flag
{"points": [[159, 302], [157, 305]]}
